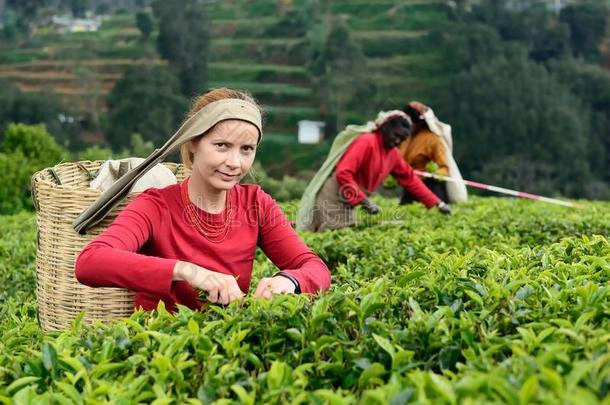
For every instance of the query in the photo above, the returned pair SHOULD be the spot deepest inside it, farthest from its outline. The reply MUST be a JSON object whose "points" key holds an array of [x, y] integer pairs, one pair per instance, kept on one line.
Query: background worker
{"points": [[365, 163], [427, 151]]}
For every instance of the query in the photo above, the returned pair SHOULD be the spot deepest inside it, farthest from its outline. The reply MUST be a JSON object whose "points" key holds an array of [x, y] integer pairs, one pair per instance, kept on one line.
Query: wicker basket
{"points": [[60, 194]]}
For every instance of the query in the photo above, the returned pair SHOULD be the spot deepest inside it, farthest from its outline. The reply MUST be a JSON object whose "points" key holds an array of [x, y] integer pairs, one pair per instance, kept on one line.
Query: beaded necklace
{"points": [[211, 230]]}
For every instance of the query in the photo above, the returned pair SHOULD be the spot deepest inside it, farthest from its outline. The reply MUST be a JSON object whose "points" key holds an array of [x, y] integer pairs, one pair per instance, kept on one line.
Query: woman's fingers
{"points": [[262, 286], [223, 288], [220, 288], [276, 285], [235, 293], [235, 296], [268, 292], [224, 296], [213, 295]]}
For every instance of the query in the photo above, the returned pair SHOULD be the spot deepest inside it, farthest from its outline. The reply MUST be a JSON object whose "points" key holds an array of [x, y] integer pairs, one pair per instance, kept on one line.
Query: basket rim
{"points": [[39, 178]]}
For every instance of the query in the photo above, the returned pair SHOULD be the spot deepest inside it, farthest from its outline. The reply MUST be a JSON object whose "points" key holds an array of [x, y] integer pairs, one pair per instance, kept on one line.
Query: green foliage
{"points": [[25, 150], [25, 15], [587, 24], [431, 166], [15, 192], [139, 147], [94, 153], [17, 255], [183, 40], [9, 29], [504, 302], [287, 189], [339, 69], [537, 120], [33, 108], [531, 24], [79, 7], [591, 84], [34, 142], [469, 44], [145, 101], [144, 23], [315, 59], [292, 24], [533, 120], [281, 158]]}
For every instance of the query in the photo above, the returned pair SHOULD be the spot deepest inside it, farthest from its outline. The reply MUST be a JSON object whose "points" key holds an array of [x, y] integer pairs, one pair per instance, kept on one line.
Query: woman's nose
{"points": [[233, 159]]}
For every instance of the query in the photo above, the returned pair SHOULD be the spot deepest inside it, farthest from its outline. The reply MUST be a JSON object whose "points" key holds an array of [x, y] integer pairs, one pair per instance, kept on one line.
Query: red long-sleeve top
{"points": [[366, 163], [140, 248]]}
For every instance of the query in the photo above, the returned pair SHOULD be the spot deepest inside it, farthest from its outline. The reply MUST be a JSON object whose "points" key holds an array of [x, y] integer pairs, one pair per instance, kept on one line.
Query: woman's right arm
{"points": [[111, 259]]}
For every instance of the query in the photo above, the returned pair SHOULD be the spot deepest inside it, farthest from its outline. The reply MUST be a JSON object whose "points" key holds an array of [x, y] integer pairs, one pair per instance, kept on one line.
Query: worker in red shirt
{"points": [[171, 243], [364, 165]]}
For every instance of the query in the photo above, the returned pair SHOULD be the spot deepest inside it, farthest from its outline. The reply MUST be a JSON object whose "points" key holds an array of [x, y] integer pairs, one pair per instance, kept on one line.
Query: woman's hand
{"points": [[220, 288], [444, 208], [419, 107], [274, 285], [370, 207]]}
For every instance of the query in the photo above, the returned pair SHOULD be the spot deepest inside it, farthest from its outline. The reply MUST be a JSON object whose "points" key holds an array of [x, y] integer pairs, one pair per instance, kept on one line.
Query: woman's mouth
{"points": [[226, 176]]}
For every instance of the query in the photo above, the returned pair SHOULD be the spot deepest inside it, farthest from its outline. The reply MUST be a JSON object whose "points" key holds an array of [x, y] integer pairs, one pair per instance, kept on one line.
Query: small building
{"points": [[311, 131], [69, 24]]}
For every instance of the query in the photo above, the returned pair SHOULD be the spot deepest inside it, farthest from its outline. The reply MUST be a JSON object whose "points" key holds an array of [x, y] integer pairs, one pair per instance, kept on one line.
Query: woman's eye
{"points": [[221, 145]]}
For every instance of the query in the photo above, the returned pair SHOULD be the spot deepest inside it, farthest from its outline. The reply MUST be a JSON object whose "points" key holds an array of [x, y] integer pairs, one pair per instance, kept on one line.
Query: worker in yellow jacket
{"points": [[424, 151]]}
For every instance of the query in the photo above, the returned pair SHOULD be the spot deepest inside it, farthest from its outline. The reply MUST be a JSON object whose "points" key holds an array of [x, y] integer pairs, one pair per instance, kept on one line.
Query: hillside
{"points": [[245, 53]]}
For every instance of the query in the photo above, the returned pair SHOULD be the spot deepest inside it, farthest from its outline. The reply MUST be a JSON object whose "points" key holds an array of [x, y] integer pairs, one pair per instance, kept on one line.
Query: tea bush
{"points": [[506, 301]]}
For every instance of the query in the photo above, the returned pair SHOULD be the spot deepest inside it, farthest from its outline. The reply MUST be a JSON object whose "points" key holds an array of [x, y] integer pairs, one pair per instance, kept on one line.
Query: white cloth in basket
{"points": [[158, 176]]}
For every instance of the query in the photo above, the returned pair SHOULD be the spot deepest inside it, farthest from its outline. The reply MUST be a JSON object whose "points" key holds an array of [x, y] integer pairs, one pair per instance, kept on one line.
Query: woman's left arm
{"points": [[285, 248], [404, 175]]}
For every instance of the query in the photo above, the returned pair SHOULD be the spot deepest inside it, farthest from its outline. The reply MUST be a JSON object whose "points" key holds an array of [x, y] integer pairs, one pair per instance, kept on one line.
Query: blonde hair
{"points": [[211, 96]]}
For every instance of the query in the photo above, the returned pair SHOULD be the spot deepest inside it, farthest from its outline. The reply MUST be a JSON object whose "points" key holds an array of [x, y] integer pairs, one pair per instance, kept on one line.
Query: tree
{"points": [[515, 110], [26, 8], [587, 24], [79, 7], [532, 25], [184, 41], [25, 150], [91, 98], [26, 11], [33, 108], [338, 67], [146, 100], [591, 84], [34, 142], [144, 23], [466, 44]]}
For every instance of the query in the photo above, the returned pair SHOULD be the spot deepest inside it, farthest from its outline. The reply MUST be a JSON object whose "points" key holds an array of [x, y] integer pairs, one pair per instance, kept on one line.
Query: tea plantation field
{"points": [[504, 302]]}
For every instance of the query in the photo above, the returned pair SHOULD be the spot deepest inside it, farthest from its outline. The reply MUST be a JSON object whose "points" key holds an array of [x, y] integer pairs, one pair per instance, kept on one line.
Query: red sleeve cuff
{"points": [[433, 203]]}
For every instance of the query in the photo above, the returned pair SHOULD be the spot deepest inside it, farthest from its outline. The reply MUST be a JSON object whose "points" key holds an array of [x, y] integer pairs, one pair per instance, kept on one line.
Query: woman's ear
{"points": [[192, 146]]}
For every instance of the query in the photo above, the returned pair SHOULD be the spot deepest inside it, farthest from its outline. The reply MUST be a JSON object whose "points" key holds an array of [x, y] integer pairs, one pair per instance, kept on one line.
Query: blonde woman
{"points": [[202, 234]]}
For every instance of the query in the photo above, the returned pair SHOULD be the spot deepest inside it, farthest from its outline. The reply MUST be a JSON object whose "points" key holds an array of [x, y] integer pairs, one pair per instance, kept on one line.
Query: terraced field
{"points": [[245, 53]]}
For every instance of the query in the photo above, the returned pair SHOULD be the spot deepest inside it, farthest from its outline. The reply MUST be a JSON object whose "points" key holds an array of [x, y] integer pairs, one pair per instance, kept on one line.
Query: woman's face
{"points": [[223, 156], [394, 134]]}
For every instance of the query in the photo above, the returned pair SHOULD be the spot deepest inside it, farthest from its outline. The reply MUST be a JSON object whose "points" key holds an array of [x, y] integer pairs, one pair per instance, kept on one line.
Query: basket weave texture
{"points": [[60, 194]]}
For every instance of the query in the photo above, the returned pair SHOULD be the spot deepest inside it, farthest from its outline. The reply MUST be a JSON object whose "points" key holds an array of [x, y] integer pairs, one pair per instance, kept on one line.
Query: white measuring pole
{"points": [[500, 190]]}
